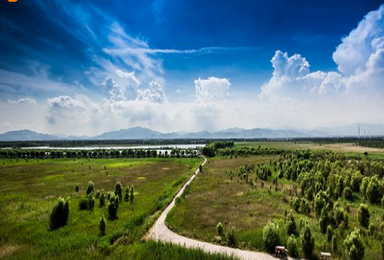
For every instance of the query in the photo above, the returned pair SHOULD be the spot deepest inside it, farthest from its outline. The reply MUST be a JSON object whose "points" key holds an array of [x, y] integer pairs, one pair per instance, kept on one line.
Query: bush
{"points": [[354, 246], [59, 215], [305, 207], [232, 240], [291, 224], [347, 193], [91, 202], [363, 215], [131, 194], [324, 220], [83, 204], [219, 229], [98, 194], [292, 246], [126, 193], [329, 233], [77, 188], [102, 200], [363, 187], [113, 205], [307, 242], [102, 226], [90, 188], [372, 229], [119, 190], [271, 236], [373, 192]]}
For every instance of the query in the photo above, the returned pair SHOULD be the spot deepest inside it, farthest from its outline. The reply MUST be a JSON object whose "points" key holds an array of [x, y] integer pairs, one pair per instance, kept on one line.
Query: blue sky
{"points": [[71, 64]]}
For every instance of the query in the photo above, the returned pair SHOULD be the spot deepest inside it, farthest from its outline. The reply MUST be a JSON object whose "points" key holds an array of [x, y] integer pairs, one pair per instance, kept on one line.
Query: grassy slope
{"points": [[29, 189], [213, 197]]}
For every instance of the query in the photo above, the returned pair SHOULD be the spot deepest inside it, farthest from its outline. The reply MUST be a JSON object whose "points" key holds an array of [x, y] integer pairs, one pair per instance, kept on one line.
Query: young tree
{"points": [[131, 194], [363, 215], [329, 233], [59, 215], [373, 192], [291, 224], [354, 246], [77, 188], [112, 207], [324, 220], [90, 188], [347, 193], [126, 193], [102, 226], [201, 168], [271, 236], [219, 229], [102, 200], [119, 190], [292, 246], [307, 242]]}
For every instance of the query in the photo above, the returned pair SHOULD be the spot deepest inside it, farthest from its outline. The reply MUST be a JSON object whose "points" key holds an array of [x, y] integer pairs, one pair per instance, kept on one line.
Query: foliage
{"points": [[329, 233], [131, 194], [59, 215], [271, 236], [363, 215], [102, 200], [219, 229], [292, 246], [83, 204], [231, 236], [102, 225], [119, 190], [291, 225], [373, 193], [354, 246], [77, 188], [90, 187], [347, 193], [112, 207], [307, 242]]}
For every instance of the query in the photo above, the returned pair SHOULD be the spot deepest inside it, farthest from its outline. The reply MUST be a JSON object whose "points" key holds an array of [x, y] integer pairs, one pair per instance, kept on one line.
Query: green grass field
{"points": [[213, 197], [29, 189]]}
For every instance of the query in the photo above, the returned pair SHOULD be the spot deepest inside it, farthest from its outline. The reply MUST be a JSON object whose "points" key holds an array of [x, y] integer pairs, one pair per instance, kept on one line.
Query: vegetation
{"points": [[271, 236], [59, 215]]}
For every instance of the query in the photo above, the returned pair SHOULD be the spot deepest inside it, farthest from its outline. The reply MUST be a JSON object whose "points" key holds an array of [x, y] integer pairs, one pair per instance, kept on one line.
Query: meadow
{"points": [[29, 188], [232, 192]]}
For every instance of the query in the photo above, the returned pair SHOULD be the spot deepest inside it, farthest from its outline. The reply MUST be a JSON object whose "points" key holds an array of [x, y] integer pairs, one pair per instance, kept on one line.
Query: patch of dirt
{"points": [[240, 193], [49, 197], [165, 168], [8, 250]]}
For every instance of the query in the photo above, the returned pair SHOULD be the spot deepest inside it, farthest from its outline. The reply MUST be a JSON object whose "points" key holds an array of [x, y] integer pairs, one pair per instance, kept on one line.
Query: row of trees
{"points": [[127, 153]]}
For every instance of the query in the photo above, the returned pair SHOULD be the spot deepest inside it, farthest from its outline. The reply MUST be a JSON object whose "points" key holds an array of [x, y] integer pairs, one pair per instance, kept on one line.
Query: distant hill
{"points": [[139, 133], [27, 135]]}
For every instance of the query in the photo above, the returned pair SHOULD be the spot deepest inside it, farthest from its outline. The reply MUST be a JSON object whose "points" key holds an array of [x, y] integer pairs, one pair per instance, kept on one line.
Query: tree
{"points": [[363, 187], [329, 233], [347, 193], [356, 181], [131, 194], [102, 226], [271, 236], [102, 200], [292, 246], [219, 229], [324, 220], [291, 225], [119, 190], [90, 188], [59, 215], [200, 168], [112, 207], [126, 193], [77, 188], [363, 215], [354, 246], [373, 192], [307, 241]]}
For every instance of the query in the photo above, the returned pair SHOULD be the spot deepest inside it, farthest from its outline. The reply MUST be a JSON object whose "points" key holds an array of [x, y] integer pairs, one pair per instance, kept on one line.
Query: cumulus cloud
{"points": [[23, 101], [64, 108], [112, 90], [363, 47], [212, 88], [154, 93]]}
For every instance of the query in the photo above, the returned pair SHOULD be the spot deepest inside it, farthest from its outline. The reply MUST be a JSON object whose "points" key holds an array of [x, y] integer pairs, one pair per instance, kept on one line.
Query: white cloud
{"points": [[363, 47], [64, 108], [23, 101], [112, 90], [154, 93], [212, 88], [178, 91]]}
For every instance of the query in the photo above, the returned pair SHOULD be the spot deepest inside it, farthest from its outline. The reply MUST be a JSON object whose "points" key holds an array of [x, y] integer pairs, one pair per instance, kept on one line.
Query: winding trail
{"points": [[160, 232]]}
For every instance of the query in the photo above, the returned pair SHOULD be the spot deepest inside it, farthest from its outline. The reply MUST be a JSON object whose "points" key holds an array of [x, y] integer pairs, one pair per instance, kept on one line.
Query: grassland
{"points": [[30, 188], [213, 197]]}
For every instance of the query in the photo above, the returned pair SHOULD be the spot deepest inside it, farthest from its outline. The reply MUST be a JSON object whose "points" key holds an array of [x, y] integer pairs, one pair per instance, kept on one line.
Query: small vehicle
{"points": [[325, 256], [281, 252]]}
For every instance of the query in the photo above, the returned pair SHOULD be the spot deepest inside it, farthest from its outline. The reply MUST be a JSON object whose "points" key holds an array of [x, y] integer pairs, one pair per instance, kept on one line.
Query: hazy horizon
{"points": [[86, 68]]}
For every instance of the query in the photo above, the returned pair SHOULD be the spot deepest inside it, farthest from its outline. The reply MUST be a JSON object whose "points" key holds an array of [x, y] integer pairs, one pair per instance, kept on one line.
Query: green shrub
{"points": [[102, 226], [271, 236], [324, 220], [363, 187], [347, 193], [307, 242], [291, 224], [373, 192], [354, 246], [334, 244], [219, 229], [91, 202], [292, 246], [98, 194], [102, 200], [363, 215], [329, 233], [305, 207], [59, 215], [83, 204], [119, 190], [126, 194], [372, 229], [131, 194], [112, 207], [90, 188], [231, 236], [77, 188]]}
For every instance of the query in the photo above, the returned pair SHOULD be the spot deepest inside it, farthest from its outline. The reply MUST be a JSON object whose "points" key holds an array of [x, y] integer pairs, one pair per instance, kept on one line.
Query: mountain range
{"points": [[231, 133]]}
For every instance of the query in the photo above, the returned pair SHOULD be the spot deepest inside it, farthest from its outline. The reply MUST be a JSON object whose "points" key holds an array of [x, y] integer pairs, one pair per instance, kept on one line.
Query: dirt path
{"points": [[160, 231]]}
